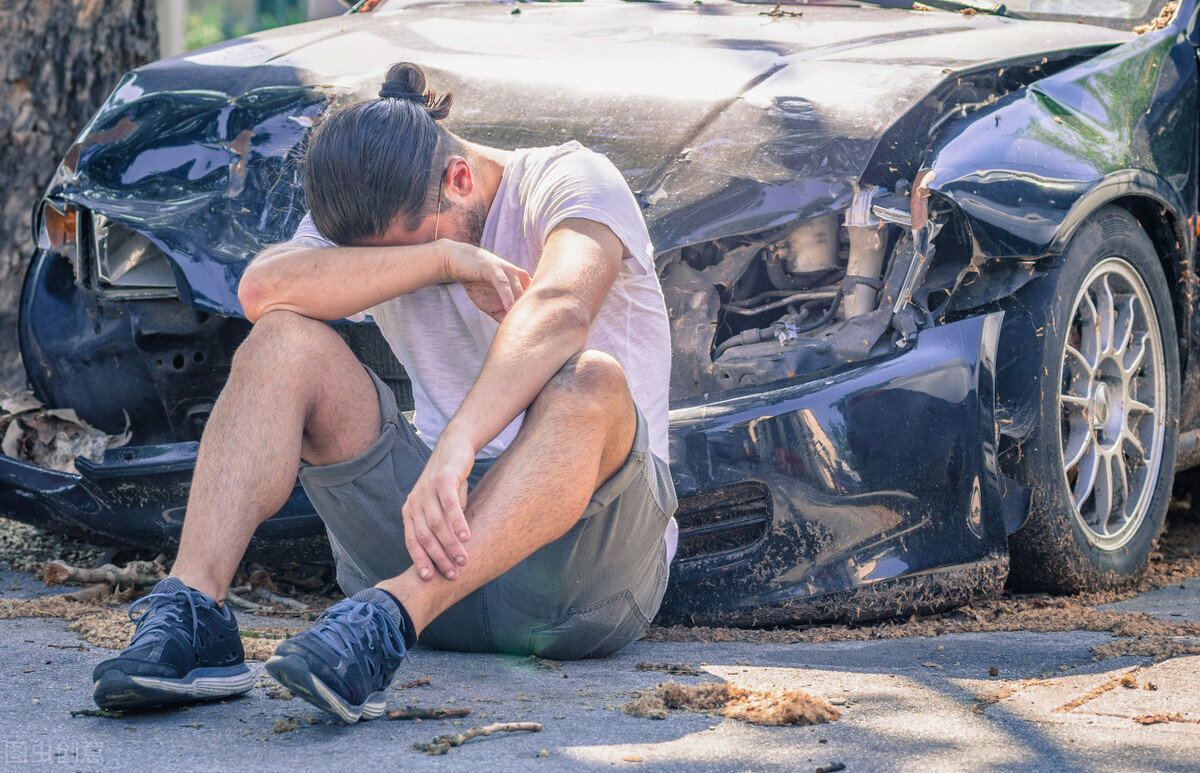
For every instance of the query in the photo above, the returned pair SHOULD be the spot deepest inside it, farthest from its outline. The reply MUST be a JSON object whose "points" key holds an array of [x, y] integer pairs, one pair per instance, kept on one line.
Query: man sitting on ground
{"points": [[526, 508]]}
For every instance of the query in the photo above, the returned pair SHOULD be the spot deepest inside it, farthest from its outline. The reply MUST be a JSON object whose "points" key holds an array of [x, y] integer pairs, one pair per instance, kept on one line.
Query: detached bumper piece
{"points": [[137, 496], [870, 492]]}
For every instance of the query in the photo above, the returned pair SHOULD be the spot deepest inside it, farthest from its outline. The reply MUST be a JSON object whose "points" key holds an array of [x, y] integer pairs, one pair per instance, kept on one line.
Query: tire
{"points": [[1088, 373]]}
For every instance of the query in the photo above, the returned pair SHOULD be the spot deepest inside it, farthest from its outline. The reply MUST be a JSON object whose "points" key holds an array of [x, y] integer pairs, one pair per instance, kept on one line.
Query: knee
{"points": [[281, 340], [592, 378]]}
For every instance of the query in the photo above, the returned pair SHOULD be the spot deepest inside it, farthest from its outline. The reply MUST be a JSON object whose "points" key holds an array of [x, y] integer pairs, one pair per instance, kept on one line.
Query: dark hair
{"points": [[368, 162]]}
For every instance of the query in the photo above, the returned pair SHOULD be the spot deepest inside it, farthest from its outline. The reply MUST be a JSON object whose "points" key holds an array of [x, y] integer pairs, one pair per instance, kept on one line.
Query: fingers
{"points": [[510, 283], [504, 289], [519, 281], [433, 525], [420, 558]]}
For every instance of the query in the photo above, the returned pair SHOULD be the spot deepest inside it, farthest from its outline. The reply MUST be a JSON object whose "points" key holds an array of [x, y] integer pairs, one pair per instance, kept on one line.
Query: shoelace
{"points": [[342, 627], [156, 623]]}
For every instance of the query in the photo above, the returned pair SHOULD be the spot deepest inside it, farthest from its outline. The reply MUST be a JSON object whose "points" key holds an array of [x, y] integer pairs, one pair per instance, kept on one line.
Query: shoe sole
{"points": [[293, 673], [118, 690]]}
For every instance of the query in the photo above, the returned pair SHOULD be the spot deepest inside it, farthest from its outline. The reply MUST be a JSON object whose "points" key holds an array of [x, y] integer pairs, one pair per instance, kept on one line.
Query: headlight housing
{"points": [[128, 263], [109, 258]]}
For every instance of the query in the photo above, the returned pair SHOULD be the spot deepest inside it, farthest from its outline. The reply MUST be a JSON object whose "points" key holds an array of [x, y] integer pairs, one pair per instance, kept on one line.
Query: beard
{"points": [[469, 223]]}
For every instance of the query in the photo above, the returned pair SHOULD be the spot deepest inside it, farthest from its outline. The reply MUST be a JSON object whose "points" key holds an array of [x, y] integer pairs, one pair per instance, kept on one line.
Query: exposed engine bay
{"points": [[755, 309]]}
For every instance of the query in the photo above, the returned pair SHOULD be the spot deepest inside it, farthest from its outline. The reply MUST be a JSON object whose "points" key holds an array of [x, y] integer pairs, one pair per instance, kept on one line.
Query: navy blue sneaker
{"points": [[185, 648], [345, 661]]}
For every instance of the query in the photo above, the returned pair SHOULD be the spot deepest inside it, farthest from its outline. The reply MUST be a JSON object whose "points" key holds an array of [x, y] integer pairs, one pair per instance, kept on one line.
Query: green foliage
{"points": [[211, 21]]}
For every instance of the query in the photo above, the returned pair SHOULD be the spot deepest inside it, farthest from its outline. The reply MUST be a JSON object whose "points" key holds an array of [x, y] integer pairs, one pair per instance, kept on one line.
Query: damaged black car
{"points": [[930, 272]]}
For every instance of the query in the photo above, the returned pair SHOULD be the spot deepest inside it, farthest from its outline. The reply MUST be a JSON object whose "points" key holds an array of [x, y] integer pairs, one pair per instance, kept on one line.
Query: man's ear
{"points": [[459, 181]]}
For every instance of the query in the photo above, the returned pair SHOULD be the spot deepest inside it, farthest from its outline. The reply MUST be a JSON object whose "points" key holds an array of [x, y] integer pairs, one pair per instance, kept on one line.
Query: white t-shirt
{"points": [[442, 339]]}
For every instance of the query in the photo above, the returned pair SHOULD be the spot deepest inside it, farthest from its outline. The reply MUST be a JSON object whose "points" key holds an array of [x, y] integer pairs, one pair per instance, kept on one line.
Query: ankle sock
{"points": [[394, 609]]}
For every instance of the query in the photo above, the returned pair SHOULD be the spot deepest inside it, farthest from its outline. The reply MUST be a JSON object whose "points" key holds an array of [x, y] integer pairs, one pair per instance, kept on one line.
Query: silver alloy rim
{"points": [[1112, 403]]}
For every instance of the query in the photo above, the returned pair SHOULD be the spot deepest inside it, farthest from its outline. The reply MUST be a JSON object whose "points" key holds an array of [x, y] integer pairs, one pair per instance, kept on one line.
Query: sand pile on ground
{"points": [[757, 706]]}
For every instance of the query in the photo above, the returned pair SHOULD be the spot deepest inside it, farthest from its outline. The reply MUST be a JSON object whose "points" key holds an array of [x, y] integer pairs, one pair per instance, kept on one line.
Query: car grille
{"points": [[722, 528], [372, 350]]}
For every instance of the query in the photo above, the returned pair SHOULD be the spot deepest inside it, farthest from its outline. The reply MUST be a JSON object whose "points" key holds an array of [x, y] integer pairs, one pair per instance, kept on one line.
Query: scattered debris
{"points": [[234, 599], [1156, 647], [280, 693], [1162, 20], [133, 573], [417, 683], [108, 626], [543, 663], [27, 549], [285, 725], [103, 593], [51, 438], [1099, 690], [758, 706], [679, 669], [778, 13], [831, 767], [420, 712], [993, 671], [1155, 719], [1129, 682], [97, 713], [272, 597], [1010, 689], [443, 743]]}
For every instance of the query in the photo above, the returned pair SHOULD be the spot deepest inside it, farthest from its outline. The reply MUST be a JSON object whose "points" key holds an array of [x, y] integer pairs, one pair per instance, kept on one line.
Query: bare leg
{"points": [[577, 433], [295, 390]]}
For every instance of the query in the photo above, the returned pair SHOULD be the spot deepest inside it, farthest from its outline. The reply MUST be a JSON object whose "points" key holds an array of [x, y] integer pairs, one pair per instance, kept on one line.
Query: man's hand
{"points": [[491, 282], [435, 526]]}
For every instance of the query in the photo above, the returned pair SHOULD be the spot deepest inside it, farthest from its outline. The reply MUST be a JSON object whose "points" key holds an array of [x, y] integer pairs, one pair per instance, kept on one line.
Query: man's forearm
{"points": [[538, 336], [334, 282]]}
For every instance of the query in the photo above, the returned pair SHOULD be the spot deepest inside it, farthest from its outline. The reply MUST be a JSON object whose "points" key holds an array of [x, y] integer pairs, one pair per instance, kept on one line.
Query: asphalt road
{"points": [[910, 704]]}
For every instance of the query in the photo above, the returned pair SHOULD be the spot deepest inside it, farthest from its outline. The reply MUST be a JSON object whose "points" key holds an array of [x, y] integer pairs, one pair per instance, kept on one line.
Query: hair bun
{"points": [[406, 81], [399, 90]]}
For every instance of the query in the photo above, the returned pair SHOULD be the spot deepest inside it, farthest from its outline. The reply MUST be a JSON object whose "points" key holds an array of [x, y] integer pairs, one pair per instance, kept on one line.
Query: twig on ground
{"points": [[682, 669], [92, 594], [268, 595], [443, 743], [242, 603], [97, 713], [417, 683], [133, 573], [436, 712]]}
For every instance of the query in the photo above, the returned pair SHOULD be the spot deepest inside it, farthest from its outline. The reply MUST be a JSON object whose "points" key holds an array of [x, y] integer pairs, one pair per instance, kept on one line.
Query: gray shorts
{"points": [[587, 594]]}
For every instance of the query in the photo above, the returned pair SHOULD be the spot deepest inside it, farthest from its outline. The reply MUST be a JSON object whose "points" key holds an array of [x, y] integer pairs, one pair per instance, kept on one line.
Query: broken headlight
{"points": [[58, 230], [109, 258], [127, 264]]}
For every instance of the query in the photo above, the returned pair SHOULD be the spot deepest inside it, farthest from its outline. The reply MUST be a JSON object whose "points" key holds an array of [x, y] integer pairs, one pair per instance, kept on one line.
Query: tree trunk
{"points": [[59, 61]]}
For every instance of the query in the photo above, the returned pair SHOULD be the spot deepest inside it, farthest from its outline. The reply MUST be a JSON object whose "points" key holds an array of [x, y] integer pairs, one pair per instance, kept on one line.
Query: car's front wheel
{"points": [[1089, 363]]}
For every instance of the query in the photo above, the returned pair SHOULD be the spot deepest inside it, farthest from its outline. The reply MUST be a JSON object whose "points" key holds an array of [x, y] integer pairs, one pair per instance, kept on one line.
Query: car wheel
{"points": [[1090, 365]]}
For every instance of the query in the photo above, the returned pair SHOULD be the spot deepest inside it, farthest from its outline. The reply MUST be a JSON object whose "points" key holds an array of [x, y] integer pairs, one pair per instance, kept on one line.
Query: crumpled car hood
{"points": [[724, 118]]}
